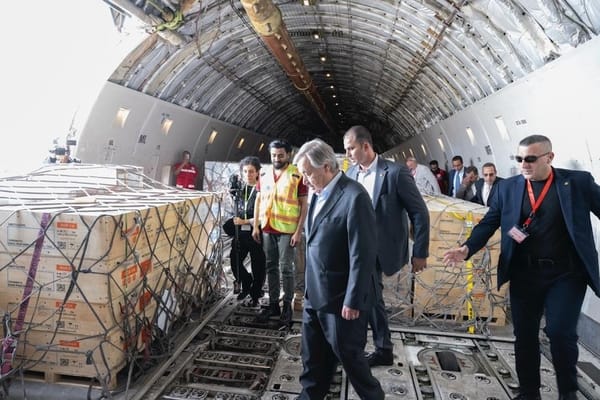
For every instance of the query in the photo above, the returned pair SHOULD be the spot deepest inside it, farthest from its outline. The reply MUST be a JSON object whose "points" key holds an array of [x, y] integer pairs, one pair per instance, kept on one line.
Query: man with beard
{"points": [[280, 211]]}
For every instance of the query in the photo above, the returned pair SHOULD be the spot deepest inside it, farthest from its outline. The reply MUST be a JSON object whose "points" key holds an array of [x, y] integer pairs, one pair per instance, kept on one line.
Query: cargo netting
{"points": [[99, 267], [462, 298]]}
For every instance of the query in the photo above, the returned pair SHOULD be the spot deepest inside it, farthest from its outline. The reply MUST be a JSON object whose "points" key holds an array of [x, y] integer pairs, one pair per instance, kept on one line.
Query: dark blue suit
{"points": [[339, 272], [555, 288], [478, 198], [395, 195]]}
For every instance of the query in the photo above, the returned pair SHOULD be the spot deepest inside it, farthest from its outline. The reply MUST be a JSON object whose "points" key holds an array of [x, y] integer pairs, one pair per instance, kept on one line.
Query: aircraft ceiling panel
{"points": [[395, 66]]}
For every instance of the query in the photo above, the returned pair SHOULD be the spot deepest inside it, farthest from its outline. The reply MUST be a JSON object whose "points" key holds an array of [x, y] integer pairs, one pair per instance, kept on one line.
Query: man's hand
{"points": [[256, 234], [418, 264], [350, 313], [456, 255], [295, 239]]}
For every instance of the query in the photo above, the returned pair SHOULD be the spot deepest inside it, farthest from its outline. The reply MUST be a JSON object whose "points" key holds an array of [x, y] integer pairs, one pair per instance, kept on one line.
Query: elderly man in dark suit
{"points": [[485, 186], [340, 281], [548, 254], [394, 195]]}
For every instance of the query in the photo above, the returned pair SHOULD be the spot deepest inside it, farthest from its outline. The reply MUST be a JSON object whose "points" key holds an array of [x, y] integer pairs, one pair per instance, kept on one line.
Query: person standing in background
{"points": [[185, 172], [394, 196], [441, 175], [484, 187], [424, 178], [456, 175], [466, 190]]}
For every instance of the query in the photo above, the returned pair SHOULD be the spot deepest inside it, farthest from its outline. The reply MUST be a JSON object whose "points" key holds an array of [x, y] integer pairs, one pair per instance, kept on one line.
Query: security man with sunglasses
{"points": [[549, 256]]}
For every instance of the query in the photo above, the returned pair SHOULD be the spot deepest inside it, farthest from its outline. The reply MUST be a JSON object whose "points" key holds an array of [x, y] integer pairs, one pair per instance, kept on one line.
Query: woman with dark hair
{"points": [[251, 284]]}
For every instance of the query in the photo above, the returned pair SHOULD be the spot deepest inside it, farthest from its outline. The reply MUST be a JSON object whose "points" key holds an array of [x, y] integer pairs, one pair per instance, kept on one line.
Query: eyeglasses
{"points": [[529, 159]]}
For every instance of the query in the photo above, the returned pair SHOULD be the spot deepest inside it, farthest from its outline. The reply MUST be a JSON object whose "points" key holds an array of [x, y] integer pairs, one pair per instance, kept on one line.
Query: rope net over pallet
{"points": [[463, 298], [98, 267]]}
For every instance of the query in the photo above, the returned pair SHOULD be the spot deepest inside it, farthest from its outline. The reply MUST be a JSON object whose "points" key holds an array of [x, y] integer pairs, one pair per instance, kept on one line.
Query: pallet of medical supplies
{"points": [[91, 269], [86, 356], [462, 292]]}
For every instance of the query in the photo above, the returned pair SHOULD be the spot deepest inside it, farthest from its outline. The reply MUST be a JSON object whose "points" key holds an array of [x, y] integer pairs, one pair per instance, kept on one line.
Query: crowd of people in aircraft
{"points": [[318, 256]]}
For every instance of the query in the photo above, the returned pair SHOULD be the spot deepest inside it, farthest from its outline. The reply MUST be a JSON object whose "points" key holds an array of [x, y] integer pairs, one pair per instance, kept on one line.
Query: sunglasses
{"points": [[529, 159]]}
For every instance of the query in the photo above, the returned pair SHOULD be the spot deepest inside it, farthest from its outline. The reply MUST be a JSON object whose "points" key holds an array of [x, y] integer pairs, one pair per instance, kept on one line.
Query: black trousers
{"points": [[327, 339], [555, 289], [240, 248], [378, 318]]}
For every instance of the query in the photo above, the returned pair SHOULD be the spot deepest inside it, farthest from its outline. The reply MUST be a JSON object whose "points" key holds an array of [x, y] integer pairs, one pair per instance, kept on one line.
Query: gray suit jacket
{"points": [[340, 256], [394, 196]]}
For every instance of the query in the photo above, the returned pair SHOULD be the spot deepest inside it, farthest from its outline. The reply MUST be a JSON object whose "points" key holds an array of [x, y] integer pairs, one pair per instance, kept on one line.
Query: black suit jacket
{"points": [[479, 191], [578, 195], [395, 195], [340, 256]]}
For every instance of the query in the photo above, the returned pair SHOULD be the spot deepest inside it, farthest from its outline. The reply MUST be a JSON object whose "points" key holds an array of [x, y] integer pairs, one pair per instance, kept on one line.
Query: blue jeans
{"points": [[280, 265]]}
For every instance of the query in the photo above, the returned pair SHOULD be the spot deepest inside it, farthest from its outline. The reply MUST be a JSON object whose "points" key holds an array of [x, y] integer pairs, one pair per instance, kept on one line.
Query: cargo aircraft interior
{"points": [[117, 284]]}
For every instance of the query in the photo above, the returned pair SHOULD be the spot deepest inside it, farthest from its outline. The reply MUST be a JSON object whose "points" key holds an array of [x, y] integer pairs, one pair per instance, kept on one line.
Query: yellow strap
{"points": [[469, 267]]}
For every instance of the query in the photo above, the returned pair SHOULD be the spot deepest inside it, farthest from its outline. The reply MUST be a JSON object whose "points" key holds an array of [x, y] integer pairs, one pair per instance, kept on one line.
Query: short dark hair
{"points": [[471, 168], [360, 134], [532, 139], [186, 152], [433, 162], [280, 144], [250, 160], [488, 164], [458, 158]]}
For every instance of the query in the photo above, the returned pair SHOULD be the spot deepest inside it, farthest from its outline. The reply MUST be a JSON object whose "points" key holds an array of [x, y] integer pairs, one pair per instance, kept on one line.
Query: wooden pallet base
{"points": [[72, 380]]}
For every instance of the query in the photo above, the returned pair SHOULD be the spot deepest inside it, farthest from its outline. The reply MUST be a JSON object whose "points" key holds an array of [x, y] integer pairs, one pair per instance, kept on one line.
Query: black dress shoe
{"points": [[286, 313], [243, 294], [273, 310], [568, 396], [380, 357], [523, 396]]}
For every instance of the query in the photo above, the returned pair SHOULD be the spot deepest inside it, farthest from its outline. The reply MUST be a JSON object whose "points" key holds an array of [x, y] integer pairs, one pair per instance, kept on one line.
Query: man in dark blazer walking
{"points": [[485, 186], [394, 195], [340, 281], [548, 254]]}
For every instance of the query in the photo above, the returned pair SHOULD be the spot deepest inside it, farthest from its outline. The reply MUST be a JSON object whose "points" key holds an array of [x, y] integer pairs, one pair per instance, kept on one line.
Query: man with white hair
{"points": [[426, 182], [340, 276]]}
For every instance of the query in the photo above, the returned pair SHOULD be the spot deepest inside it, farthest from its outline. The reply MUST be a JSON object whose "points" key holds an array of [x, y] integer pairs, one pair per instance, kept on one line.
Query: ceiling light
{"points": [[166, 123], [323, 58], [328, 75], [316, 35], [331, 87], [121, 117], [212, 136]]}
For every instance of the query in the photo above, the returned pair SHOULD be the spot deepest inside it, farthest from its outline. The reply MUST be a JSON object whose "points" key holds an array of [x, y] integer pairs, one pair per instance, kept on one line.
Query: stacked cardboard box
{"points": [[464, 292], [106, 266]]}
